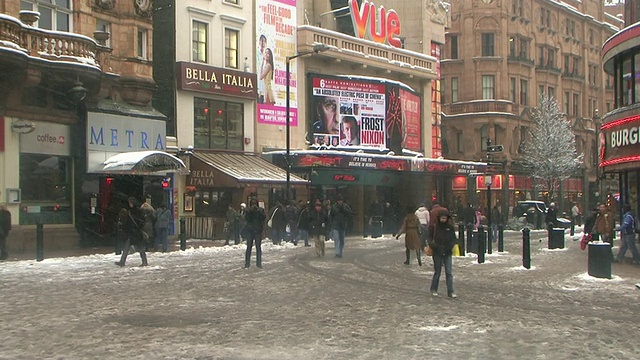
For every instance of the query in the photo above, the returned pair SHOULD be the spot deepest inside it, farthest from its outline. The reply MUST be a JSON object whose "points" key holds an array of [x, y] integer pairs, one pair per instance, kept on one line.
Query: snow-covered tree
{"points": [[550, 152]]}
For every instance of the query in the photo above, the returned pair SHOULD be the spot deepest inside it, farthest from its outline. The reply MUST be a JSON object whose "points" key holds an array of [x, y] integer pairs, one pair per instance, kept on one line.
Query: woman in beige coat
{"points": [[410, 227]]}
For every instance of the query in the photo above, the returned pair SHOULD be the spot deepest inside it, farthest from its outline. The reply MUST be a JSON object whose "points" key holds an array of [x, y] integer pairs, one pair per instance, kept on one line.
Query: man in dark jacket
{"points": [[318, 221], [255, 224], [303, 223], [340, 218], [278, 224], [133, 228], [5, 226], [441, 241]]}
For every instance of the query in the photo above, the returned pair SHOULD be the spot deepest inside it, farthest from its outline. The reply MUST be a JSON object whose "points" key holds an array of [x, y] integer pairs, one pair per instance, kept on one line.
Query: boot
{"points": [[419, 257], [408, 252]]}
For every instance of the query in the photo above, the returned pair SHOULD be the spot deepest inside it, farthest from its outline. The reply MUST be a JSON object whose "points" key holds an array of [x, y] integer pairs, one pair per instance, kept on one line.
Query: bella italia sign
{"points": [[213, 80]]}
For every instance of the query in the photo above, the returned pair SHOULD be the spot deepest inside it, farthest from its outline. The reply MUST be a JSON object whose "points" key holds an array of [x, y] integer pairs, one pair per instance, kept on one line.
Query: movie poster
{"points": [[347, 113], [276, 39]]}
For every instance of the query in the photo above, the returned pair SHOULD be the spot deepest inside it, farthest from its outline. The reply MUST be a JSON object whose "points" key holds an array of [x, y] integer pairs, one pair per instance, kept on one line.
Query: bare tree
{"points": [[550, 152]]}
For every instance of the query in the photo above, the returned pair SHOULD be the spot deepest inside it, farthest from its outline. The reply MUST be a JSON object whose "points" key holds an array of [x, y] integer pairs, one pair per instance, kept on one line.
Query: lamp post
{"points": [[316, 49], [596, 123]]}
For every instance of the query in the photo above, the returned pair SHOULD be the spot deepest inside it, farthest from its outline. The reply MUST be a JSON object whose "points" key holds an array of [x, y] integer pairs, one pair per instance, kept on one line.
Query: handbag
{"points": [[270, 222], [428, 250]]}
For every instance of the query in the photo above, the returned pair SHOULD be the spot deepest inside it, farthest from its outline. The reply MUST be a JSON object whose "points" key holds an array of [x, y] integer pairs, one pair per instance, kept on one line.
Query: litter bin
{"points": [[376, 227], [599, 264], [475, 242], [556, 238]]}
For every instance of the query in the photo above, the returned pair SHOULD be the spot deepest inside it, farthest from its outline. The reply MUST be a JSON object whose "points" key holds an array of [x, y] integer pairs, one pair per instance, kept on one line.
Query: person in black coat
{"points": [[133, 227], [303, 223], [441, 241], [278, 224], [254, 217], [5, 226], [318, 222]]}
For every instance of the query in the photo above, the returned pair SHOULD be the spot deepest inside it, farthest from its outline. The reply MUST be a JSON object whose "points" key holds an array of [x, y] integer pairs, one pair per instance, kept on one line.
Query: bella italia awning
{"points": [[142, 163]]}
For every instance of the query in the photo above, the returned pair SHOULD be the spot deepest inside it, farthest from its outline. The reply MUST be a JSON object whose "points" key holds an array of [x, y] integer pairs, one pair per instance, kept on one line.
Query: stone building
{"points": [[76, 83], [499, 57]]}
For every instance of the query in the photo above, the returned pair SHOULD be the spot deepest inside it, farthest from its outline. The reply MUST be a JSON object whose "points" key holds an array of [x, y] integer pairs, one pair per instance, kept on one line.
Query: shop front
{"points": [[218, 180]]}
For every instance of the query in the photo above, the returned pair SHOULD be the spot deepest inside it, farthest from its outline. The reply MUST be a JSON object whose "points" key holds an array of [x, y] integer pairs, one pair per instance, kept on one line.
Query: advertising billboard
{"points": [[276, 40], [353, 112]]}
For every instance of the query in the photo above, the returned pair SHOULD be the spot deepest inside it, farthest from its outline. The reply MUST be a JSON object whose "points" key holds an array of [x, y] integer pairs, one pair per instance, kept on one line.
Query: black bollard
{"points": [[482, 238], [118, 240], [183, 234], [572, 231], [461, 238], [526, 248], [39, 242], [500, 238], [489, 240], [469, 237]]}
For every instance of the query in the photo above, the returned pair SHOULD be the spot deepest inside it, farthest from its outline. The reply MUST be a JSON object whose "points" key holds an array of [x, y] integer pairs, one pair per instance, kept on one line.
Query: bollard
{"points": [[183, 234], [469, 237], [500, 238], [118, 240], [39, 242], [481, 244], [526, 248], [489, 240], [461, 238]]}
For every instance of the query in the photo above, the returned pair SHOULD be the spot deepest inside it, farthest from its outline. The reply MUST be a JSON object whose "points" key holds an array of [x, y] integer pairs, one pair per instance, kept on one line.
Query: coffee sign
{"points": [[213, 80], [380, 25]]}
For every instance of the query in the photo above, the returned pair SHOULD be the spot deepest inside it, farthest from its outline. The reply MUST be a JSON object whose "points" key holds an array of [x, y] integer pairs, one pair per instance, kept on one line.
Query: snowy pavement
{"points": [[201, 304]]}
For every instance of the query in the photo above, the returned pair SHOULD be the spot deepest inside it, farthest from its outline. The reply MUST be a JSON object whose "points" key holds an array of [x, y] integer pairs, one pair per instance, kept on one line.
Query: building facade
{"points": [[498, 58], [618, 135], [76, 84]]}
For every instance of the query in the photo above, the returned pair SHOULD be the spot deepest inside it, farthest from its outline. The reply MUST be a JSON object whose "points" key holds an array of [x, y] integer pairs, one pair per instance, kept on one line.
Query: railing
{"points": [[201, 228], [479, 106], [520, 59], [49, 45], [363, 50]]}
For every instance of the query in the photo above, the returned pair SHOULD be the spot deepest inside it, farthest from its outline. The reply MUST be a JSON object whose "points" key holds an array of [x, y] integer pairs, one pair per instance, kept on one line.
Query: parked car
{"points": [[535, 212]]}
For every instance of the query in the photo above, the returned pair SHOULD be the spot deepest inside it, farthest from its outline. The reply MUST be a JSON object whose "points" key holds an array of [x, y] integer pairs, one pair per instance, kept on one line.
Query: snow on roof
{"points": [[151, 160], [377, 79]]}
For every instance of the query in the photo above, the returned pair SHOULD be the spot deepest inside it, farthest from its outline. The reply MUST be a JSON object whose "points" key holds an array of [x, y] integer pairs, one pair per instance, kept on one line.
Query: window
{"points": [[523, 139], [53, 194], [454, 46], [460, 142], [487, 44], [541, 56], [576, 103], [591, 38], [454, 89], [105, 26], [142, 44], [524, 49], [512, 89], [551, 92], [512, 47], [484, 135], [54, 14], [551, 58], [210, 203], [218, 124], [576, 65], [199, 41], [566, 102], [524, 92], [566, 64], [540, 90], [231, 38], [488, 82], [235, 2]]}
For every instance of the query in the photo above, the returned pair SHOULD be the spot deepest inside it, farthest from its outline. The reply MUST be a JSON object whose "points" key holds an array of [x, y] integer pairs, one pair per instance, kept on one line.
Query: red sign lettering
{"points": [[366, 20]]}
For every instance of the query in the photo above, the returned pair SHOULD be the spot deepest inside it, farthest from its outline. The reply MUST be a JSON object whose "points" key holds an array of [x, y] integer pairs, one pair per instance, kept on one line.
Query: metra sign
{"points": [[380, 25]]}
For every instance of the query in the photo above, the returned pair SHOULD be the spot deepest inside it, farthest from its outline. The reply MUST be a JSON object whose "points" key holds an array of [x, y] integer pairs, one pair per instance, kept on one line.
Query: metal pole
{"points": [[288, 125], [461, 238], [39, 242], [469, 237], [490, 229], [183, 234], [500, 238], [526, 248], [481, 244]]}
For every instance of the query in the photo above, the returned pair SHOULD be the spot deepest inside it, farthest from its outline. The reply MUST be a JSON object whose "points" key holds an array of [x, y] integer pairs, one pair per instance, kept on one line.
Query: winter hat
{"points": [[444, 212], [243, 205]]}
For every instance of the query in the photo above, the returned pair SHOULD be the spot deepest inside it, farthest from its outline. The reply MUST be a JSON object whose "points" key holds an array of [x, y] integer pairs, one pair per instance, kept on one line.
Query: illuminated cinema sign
{"points": [[377, 25]]}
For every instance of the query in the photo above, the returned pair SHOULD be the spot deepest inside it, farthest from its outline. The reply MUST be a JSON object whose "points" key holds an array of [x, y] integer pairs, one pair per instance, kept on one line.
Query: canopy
{"points": [[142, 163]]}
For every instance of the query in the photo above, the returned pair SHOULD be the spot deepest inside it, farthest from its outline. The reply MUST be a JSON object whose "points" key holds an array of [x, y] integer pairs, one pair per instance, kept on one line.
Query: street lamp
{"points": [[596, 123], [316, 49]]}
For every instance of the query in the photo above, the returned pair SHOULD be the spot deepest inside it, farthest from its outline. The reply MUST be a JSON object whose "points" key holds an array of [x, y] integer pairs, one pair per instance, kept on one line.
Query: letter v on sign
{"points": [[360, 18]]}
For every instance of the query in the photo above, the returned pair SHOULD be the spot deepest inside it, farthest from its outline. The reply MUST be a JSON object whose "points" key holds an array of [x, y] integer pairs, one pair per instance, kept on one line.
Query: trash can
{"points": [[376, 227], [600, 257], [556, 238], [475, 242]]}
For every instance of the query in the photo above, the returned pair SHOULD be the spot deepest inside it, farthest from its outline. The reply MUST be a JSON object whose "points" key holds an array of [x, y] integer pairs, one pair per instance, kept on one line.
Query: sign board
{"points": [[214, 80], [495, 148], [378, 25], [47, 138]]}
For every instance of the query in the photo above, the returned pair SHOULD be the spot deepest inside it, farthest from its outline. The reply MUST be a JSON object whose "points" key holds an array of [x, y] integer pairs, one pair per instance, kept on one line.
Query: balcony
{"points": [[520, 59], [18, 40], [479, 106], [548, 68], [572, 75], [367, 53]]}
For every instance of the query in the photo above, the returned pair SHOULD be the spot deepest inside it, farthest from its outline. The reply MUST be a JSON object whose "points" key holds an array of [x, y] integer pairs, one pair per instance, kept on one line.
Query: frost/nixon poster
{"points": [[276, 39], [345, 112]]}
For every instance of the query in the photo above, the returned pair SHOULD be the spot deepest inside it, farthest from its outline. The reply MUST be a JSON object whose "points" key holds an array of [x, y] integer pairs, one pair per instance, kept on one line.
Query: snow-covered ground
{"points": [[201, 304]]}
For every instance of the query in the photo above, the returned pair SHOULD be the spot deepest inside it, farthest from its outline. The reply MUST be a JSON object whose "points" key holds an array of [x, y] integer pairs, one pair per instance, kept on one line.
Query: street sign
{"points": [[495, 148], [495, 164]]}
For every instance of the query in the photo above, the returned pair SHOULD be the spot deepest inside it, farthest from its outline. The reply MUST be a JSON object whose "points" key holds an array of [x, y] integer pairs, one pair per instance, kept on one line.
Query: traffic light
{"points": [[166, 183]]}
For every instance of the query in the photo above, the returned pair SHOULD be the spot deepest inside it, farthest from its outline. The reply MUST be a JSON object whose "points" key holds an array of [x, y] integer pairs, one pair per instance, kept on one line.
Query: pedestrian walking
{"points": [[5, 227], [255, 217], [411, 227], [303, 223], [576, 214], [149, 215], [318, 221], [628, 236], [604, 224], [551, 217], [423, 216], [242, 222], [134, 230], [374, 221], [161, 228], [291, 218], [496, 221], [231, 225], [442, 240], [340, 219], [278, 223]]}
